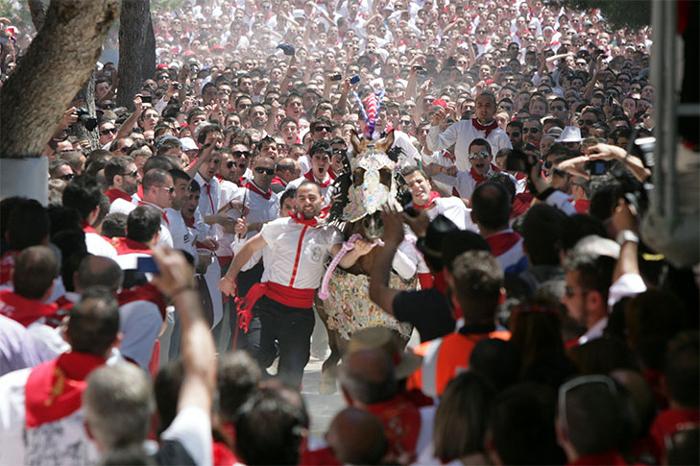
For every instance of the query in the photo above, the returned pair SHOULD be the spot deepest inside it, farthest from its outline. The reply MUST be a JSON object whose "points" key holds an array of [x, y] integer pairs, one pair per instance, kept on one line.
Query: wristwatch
{"points": [[627, 235]]}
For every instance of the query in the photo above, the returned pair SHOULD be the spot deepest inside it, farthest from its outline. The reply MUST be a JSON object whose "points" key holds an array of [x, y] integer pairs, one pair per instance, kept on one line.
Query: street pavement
{"points": [[322, 408]]}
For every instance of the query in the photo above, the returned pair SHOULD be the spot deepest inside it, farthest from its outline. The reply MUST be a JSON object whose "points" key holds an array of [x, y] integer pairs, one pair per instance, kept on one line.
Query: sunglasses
{"points": [[318, 129], [406, 122], [558, 109], [108, 131], [266, 171], [515, 134], [133, 174], [67, 177], [170, 189], [230, 164], [240, 153], [531, 130], [480, 155], [587, 122], [339, 151], [285, 168]]}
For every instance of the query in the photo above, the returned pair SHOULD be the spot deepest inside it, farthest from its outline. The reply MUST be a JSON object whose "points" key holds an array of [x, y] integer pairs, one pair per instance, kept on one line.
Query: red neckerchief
{"points": [[487, 128], [478, 177], [521, 204], [7, 265], [55, 388], [449, 156], [402, 422], [279, 181], [129, 246], [114, 193], [207, 186], [265, 194], [145, 292], [162, 212], [582, 206], [189, 222], [324, 184], [301, 220], [431, 200], [24, 310], [502, 241]]}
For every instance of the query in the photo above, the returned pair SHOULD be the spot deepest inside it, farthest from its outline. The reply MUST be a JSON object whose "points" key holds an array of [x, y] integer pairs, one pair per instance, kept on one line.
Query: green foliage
{"points": [[632, 14]]}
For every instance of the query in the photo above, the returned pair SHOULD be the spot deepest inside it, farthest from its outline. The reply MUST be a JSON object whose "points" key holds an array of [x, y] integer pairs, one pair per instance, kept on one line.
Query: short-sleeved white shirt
{"points": [[298, 253]]}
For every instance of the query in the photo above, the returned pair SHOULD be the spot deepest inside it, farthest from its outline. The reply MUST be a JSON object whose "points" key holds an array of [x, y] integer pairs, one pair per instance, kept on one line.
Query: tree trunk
{"points": [[132, 33], [55, 67], [149, 59], [37, 8]]}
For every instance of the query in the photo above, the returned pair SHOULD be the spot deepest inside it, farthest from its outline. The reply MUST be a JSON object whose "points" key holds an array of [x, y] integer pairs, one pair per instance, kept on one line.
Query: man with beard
{"points": [[123, 177], [463, 132], [298, 249]]}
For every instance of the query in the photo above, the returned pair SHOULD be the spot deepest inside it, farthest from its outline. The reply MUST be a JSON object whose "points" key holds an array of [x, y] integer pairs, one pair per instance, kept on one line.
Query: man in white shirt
{"points": [[320, 154], [423, 199], [463, 132], [481, 167], [299, 247]]}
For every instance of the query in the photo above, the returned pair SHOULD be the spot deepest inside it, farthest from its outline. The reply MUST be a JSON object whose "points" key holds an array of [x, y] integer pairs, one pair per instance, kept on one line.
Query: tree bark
{"points": [[132, 34], [87, 95], [149, 59], [55, 67], [37, 8]]}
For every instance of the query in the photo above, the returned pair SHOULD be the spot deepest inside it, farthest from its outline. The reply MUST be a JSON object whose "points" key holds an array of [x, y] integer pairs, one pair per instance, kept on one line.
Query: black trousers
{"points": [[291, 328], [247, 341]]}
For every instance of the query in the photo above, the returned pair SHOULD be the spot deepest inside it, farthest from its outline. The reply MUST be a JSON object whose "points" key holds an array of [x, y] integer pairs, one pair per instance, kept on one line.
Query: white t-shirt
{"points": [[461, 134], [99, 246], [298, 253]]}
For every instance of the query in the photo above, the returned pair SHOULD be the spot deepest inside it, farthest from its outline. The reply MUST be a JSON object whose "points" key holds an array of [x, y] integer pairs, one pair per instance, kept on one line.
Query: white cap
{"points": [[188, 144], [570, 134]]}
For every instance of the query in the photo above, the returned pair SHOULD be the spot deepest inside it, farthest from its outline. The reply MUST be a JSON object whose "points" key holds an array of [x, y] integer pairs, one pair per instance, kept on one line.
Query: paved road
{"points": [[321, 408]]}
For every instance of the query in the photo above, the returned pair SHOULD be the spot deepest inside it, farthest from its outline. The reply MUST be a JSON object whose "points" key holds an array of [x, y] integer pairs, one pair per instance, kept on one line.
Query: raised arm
{"points": [[379, 290]]}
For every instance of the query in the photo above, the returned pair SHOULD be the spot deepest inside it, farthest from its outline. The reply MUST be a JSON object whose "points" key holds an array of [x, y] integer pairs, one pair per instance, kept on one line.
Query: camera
{"points": [[336, 77], [597, 167], [89, 122]]}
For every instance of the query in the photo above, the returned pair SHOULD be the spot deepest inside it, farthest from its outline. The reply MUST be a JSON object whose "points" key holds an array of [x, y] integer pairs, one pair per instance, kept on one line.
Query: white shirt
{"points": [[326, 192], [165, 238], [461, 134], [97, 245], [298, 253], [454, 209], [258, 210], [210, 192]]}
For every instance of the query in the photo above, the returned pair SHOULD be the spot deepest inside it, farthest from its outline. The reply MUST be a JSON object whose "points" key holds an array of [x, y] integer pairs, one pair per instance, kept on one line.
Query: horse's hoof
{"points": [[328, 385]]}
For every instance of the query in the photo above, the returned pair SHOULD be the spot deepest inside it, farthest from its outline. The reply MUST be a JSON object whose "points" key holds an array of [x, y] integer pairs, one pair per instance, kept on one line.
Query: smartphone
{"points": [[147, 265], [146, 99], [355, 79], [336, 77]]}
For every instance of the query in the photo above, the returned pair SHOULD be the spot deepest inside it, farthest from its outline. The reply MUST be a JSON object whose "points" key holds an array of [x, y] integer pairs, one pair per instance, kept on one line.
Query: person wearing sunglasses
{"points": [[123, 179], [61, 170], [481, 168], [461, 133], [514, 129], [287, 170], [158, 192], [532, 131]]}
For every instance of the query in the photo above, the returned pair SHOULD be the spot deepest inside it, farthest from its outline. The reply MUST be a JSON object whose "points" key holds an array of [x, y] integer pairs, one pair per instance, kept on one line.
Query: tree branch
{"points": [[63, 54]]}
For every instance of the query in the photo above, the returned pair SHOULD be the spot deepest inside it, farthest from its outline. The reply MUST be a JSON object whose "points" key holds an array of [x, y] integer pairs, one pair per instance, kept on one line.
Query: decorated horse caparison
{"points": [[369, 180]]}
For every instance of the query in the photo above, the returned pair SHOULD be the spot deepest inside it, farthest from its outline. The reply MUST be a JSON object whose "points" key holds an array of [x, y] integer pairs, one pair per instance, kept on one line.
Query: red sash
{"points": [[55, 388], [162, 212], [431, 200], [302, 298], [23, 310], [114, 194]]}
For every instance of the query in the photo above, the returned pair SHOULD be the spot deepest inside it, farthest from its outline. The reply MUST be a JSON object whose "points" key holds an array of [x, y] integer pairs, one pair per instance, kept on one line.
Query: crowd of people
{"points": [[161, 309]]}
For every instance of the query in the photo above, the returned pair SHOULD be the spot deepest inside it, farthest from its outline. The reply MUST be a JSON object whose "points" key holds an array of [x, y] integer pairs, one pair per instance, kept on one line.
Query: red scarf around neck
{"points": [[487, 128], [24, 310], [55, 388], [431, 200], [300, 219], [253, 187], [324, 184]]}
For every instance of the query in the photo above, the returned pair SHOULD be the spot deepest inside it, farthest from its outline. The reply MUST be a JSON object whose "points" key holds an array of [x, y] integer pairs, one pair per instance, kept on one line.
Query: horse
{"points": [[369, 180]]}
